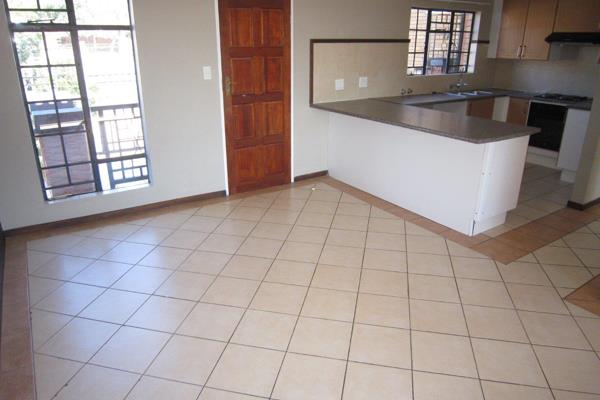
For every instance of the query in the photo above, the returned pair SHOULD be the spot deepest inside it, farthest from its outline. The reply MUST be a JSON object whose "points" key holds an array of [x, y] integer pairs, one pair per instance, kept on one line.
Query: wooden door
{"points": [[578, 16], [540, 23], [483, 108], [518, 111], [255, 53], [512, 28]]}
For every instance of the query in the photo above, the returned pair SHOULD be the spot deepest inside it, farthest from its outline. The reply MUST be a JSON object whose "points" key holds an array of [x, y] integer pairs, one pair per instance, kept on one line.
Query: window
{"points": [[76, 63], [440, 41]]}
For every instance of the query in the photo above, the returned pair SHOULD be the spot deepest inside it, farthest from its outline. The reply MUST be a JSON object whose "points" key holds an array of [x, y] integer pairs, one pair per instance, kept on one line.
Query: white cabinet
{"points": [[572, 143]]}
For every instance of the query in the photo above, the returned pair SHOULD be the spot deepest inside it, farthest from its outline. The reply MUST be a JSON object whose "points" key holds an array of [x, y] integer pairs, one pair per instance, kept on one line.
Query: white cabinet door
{"points": [[573, 138]]}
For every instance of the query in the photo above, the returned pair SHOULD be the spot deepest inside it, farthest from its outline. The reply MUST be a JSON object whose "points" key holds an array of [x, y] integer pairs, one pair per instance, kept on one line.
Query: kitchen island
{"points": [[462, 172]]}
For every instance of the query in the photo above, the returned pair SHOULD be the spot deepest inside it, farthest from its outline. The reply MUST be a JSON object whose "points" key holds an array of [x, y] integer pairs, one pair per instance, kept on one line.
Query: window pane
{"points": [[60, 49], [66, 85], [117, 131], [76, 147], [22, 17], [22, 4], [55, 177], [43, 118], [414, 17], [109, 67], [50, 150], [53, 4], [71, 116], [105, 12], [30, 48], [36, 82], [81, 173]]}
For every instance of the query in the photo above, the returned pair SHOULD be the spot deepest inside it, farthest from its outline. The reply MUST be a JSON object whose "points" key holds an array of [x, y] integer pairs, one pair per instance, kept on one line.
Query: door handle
{"points": [[227, 86]]}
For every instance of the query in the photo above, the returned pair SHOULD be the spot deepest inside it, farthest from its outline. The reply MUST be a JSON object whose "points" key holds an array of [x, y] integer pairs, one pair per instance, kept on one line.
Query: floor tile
{"points": [[276, 216], [247, 213], [342, 256], [570, 369], [51, 374], [591, 329], [129, 253], [501, 391], [382, 346], [385, 260], [185, 285], [319, 337], [338, 278], [149, 235], [308, 234], [553, 330], [39, 288], [359, 210], [434, 386], [236, 227], [425, 244], [131, 349], [430, 264], [231, 291], [184, 239], [386, 225], [304, 252], [326, 195], [475, 268], [437, 288], [582, 241], [565, 395], [227, 244], [205, 224], [62, 267], [35, 259], [248, 370], [142, 279], [45, 324], [495, 323], [257, 247], [187, 359], [330, 304], [507, 362], [567, 277], [265, 329], [165, 257], [211, 321], [276, 297], [79, 339], [483, 293], [101, 273], [382, 310], [309, 378], [438, 317], [445, 354], [205, 262], [114, 306], [384, 283], [115, 231], [347, 238], [459, 250], [267, 230], [54, 244], [245, 267], [97, 383], [169, 220], [557, 256], [70, 298], [291, 272], [526, 273], [92, 247], [314, 219], [350, 222], [414, 229], [320, 207], [149, 388], [386, 241], [364, 381], [161, 314], [536, 298]]}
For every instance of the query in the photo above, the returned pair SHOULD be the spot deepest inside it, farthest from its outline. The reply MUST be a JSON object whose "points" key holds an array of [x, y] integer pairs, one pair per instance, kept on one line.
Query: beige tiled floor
{"points": [[308, 293]]}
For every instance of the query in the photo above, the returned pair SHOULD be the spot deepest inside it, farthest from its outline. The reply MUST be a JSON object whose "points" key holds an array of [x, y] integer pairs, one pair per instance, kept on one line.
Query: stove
{"points": [[561, 97]]}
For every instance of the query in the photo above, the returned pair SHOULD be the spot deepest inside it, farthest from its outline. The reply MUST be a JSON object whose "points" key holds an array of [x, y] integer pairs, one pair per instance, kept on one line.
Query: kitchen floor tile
{"points": [[129, 253], [98, 383], [161, 314], [383, 311], [536, 298], [338, 278], [291, 272], [349, 222], [430, 264], [185, 285], [245, 267], [308, 234], [384, 283], [426, 244], [386, 241], [206, 224], [553, 330], [437, 288], [382, 346], [567, 277], [211, 321], [101, 273], [104, 309], [434, 386], [495, 323], [567, 369], [149, 388], [279, 298], [342, 256], [267, 230], [45, 324], [70, 298], [445, 354], [236, 227], [319, 337], [364, 381], [165, 257], [346, 238], [526, 273], [303, 252], [142, 279], [184, 239], [475, 268], [231, 292], [62, 267], [265, 329], [330, 304], [205, 262], [385, 260], [257, 247], [149, 235], [501, 391], [483, 293], [438, 317], [51, 374], [591, 329], [227, 244]]}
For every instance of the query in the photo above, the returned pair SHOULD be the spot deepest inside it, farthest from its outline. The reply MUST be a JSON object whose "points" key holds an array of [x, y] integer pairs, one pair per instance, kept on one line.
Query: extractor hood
{"points": [[581, 38]]}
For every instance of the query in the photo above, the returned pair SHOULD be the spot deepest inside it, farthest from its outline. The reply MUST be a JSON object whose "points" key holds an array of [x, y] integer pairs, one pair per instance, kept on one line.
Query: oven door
{"points": [[550, 118]]}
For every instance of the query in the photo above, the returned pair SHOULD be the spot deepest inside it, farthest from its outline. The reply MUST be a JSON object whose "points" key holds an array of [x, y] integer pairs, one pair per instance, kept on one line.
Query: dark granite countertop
{"points": [[455, 126]]}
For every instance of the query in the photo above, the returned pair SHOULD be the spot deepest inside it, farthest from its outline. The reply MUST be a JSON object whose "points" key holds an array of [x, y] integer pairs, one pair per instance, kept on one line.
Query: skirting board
{"points": [[582, 207], [310, 176], [116, 213]]}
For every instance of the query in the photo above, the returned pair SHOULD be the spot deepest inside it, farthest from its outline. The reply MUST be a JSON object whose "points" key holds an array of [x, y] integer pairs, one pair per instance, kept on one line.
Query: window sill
{"points": [[98, 194]]}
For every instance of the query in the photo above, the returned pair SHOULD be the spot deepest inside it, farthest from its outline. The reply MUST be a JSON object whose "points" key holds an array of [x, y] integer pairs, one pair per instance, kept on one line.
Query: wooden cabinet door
{"points": [[483, 108], [518, 110], [255, 54], [577, 16], [540, 22], [512, 28]]}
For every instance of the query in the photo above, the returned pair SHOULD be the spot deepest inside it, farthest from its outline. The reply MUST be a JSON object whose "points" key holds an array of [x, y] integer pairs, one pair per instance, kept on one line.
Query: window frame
{"points": [[451, 33], [73, 28]]}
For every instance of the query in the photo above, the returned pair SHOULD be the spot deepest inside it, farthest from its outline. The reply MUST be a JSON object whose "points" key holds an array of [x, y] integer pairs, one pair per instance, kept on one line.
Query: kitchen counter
{"points": [[402, 112]]}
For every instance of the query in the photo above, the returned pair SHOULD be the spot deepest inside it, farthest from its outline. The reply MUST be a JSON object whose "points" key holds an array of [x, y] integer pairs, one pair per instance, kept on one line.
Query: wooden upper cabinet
{"points": [[577, 16], [512, 28], [518, 111], [483, 108], [524, 27]]}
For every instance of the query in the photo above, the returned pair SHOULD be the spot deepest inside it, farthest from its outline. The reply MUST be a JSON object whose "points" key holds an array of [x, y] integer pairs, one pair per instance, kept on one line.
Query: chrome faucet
{"points": [[459, 86]]}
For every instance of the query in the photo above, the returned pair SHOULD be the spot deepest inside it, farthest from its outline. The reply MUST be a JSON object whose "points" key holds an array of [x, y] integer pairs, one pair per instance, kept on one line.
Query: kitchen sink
{"points": [[455, 94], [476, 93]]}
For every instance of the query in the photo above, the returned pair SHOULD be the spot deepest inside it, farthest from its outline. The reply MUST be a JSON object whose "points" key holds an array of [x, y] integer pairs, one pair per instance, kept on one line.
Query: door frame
{"points": [[291, 130]]}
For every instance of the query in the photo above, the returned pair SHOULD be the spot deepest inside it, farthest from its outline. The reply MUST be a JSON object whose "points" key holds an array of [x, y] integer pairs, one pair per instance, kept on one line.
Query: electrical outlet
{"points": [[339, 84], [207, 73], [363, 82]]}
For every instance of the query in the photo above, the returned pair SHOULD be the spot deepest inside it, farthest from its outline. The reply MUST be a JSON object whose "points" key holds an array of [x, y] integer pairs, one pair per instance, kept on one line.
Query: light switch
{"points": [[363, 82], [339, 84], [207, 73]]}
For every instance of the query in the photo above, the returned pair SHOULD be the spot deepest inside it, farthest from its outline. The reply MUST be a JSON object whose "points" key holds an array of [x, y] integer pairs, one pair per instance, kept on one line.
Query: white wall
{"points": [[184, 133]]}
